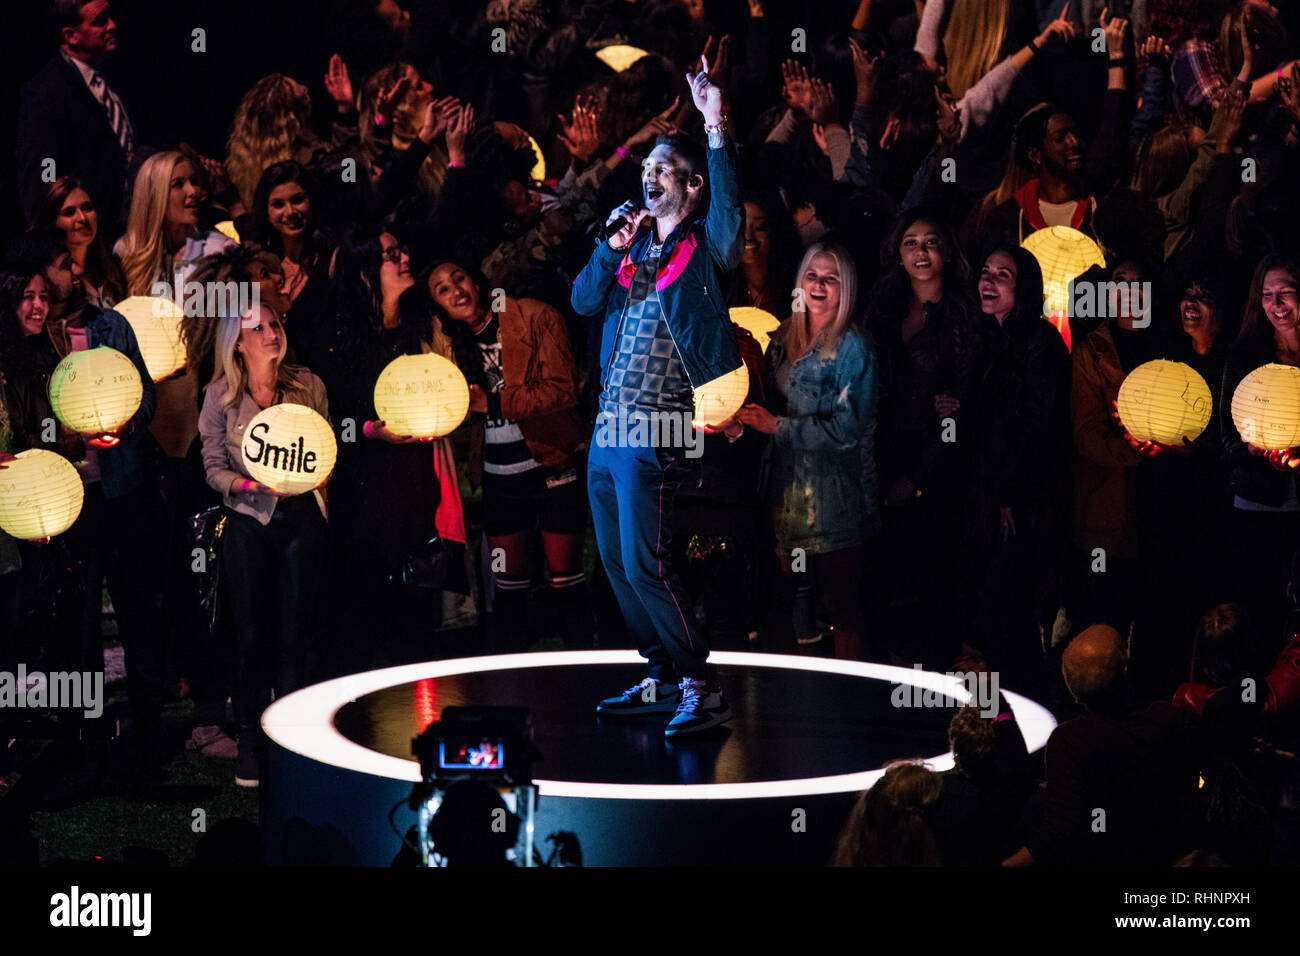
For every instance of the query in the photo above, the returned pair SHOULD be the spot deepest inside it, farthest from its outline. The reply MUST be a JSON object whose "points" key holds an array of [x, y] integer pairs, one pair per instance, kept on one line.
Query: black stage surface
{"points": [[788, 724], [771, 788]]}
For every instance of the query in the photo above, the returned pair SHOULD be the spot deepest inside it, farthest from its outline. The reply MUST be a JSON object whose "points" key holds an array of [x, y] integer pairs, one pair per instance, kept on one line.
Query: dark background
{"points": [[175, 94]]}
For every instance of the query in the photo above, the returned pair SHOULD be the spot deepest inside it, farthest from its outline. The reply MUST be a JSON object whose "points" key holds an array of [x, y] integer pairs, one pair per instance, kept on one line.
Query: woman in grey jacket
{"points": [[274, 544], [821, 484]]}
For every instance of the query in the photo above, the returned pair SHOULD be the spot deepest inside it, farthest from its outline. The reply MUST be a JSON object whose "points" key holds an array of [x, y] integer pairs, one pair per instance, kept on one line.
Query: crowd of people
{"points": [[926, 469]]}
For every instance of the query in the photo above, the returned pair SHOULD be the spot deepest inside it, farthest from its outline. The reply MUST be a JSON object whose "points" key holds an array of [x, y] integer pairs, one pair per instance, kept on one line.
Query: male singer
{"points": [[667, 331]]}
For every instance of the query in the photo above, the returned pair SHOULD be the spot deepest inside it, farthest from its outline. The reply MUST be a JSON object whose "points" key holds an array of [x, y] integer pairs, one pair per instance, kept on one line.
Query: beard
{"points": [[69, 304], [1063, 171]]}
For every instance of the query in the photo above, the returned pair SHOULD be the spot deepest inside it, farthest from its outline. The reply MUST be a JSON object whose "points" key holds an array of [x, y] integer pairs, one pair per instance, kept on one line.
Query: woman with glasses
{"points": [[386, 491]]}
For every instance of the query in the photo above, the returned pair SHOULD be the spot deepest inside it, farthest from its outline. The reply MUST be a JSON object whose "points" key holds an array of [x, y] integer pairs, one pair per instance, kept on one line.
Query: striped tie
{"points": [[117, 117]]}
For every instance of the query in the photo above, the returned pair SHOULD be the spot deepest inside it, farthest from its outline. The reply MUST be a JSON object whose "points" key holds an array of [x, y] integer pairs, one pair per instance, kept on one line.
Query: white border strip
{"points": [[303, 722]]}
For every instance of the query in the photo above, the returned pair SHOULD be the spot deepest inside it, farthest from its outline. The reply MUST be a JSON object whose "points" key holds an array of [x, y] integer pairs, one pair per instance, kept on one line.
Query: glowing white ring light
{"points": [[303, 722]]}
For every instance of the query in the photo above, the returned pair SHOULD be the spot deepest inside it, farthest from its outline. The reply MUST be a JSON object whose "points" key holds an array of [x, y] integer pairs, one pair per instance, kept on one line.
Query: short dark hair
{"points": [[1031, 131], [65, 13], [41, 245], [689, 151]]}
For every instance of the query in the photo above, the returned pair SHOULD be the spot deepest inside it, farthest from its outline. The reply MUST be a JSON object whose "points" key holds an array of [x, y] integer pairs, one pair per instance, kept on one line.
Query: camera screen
{"points": [[484, 754]]}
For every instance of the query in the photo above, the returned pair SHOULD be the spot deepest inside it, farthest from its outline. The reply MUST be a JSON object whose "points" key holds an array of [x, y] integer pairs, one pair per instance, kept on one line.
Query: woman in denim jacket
{"points": [[821, 475]]}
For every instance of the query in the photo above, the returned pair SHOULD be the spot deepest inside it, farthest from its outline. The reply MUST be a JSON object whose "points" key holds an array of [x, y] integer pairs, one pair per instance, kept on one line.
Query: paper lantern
{"points": [[1063, 254], [156, 323], [1165, 402], [290, 448], [424, 396], [1266, 407], [538, 173], [40, 495], [718, 400], [227, 228], [619, 56], [757, 322], [95, 391]]}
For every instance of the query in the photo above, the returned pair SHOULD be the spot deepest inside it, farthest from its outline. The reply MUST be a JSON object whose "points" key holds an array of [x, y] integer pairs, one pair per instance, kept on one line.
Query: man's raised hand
{"points": [[706, 94]]}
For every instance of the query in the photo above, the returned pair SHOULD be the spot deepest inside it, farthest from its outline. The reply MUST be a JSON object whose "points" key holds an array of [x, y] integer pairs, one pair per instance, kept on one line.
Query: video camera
{"points": [[492, 744]]}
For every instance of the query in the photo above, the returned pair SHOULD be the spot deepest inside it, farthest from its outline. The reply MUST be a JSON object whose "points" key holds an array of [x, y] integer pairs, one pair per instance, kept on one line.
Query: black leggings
{"points": [[273, 577], [838, 575]]}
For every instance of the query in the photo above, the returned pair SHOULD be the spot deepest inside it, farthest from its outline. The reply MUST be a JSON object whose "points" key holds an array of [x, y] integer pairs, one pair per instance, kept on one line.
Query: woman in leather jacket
{"points": [[526, 443]]}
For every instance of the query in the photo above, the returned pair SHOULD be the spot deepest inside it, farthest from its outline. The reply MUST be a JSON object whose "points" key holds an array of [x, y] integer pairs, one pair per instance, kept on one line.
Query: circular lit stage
{"points": [[772, 787]]}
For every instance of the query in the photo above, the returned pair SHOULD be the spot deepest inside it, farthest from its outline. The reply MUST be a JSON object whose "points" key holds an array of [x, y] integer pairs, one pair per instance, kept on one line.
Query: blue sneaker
{"points": [[648, 697], [702, 707]]}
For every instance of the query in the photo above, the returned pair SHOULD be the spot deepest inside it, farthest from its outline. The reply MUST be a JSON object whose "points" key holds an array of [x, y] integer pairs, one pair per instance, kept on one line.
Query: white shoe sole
{"points": [[712, 722]]}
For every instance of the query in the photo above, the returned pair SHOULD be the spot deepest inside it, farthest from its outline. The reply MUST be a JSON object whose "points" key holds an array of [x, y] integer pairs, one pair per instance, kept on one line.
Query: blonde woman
{"points": [[978, 33], [270, 125], [274, 544], [161, 248], [163, 236], [396, 116], [821, 460]]}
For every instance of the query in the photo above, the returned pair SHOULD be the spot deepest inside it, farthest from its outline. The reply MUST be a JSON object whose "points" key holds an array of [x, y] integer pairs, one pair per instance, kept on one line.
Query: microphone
{"points": [[614, 226]]}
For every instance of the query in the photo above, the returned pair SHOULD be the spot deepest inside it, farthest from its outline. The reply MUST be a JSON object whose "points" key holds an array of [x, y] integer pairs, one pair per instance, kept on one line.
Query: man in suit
{"points": [[69, 114]]}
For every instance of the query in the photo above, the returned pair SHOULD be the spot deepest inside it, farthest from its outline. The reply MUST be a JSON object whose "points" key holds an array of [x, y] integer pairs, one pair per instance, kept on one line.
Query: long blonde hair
{"points": [[145, 243], [977, 31], [799, 336], [270, 125], [230, 367]]}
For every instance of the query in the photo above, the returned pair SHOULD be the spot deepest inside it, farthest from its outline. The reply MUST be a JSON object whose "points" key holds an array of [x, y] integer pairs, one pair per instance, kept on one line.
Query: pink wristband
{"points": [[622, 151]]}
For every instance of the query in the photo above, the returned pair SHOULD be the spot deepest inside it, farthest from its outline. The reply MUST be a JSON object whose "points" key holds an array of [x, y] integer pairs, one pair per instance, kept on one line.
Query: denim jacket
{"points": [[696, 258], [122, 467], [821, 469]]}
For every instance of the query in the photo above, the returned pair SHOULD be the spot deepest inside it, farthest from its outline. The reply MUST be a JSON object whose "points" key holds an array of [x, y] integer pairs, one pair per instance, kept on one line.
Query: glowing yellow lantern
{"points": [[757, 322], [1063, 254], [40, 495], [156, 322], [1266, 407], [95, 391], [424, 396], [538, 173], [718, 400], [619, 56], [1165, 402], [290, 448], [227, 228]]}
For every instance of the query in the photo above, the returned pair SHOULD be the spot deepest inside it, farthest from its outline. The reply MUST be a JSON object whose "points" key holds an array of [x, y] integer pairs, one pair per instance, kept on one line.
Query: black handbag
{"points": [[425, 568], [208, 527]]}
